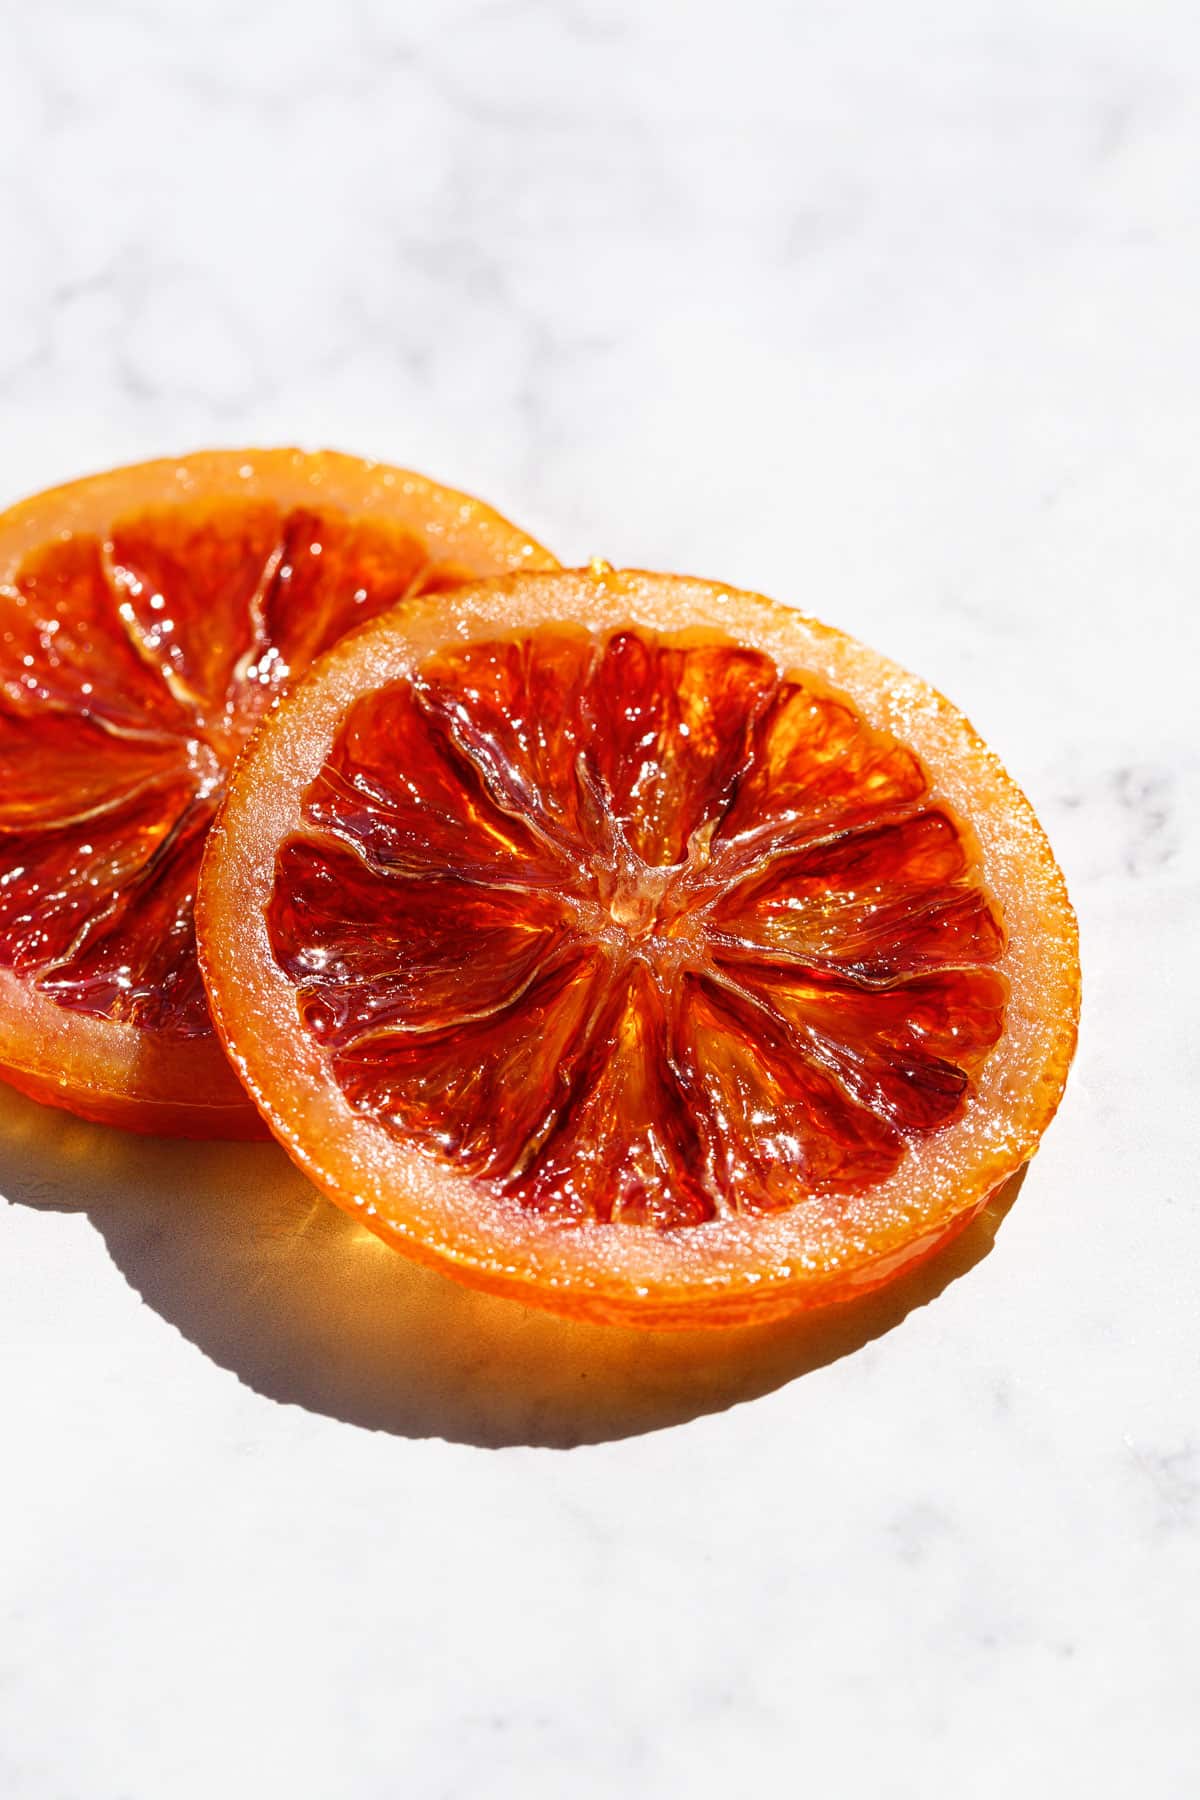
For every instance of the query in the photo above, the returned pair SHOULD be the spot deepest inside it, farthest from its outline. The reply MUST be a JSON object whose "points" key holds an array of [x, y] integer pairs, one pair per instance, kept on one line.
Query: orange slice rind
{"points": [[638, 948], [149, 616]]}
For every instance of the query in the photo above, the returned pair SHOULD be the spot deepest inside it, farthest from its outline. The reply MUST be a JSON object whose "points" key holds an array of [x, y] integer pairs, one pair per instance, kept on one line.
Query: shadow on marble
{"points": [[232, 1246]]}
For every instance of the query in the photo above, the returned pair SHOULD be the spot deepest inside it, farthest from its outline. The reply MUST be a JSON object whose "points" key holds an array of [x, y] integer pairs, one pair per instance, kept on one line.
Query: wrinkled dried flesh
{"points": [[131, 672], [636, 929]]}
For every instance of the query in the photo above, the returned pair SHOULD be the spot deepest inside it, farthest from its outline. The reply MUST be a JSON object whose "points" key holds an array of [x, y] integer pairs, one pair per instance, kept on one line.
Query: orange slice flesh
{"points": [[638, 948], [148, 618]]}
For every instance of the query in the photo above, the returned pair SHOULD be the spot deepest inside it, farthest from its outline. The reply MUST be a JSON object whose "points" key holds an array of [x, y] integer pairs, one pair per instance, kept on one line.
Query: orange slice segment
{"points": [[638, 948], [148, 618]]}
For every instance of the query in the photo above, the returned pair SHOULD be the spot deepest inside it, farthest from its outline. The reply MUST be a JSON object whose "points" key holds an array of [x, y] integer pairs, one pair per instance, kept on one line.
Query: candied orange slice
{"points": [[148, 618], [638, 948]]}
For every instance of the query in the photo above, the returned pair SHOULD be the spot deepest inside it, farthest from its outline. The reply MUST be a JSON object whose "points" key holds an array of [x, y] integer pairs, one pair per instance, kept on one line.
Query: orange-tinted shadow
{"points": [[232, 1246]]}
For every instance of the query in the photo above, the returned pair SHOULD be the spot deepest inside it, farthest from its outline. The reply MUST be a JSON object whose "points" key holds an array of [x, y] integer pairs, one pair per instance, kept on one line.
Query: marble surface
{"points": [[891, 311]]}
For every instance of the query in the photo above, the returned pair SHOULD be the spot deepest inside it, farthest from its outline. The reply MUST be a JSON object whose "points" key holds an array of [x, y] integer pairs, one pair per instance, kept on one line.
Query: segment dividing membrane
{"points": [[132, 670], [637, 929]]}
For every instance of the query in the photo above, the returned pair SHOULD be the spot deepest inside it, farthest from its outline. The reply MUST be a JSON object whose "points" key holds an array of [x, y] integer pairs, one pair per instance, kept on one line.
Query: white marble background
{"points": [[892, 310]]}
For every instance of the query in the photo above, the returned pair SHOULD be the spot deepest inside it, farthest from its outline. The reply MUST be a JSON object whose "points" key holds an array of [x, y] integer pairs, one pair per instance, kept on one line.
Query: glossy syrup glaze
{"points": [[637, 929], [131, 672]]}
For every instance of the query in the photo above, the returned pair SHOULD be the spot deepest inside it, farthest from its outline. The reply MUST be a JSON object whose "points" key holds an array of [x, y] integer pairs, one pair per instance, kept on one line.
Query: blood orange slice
{"points": [[638, 948], [148, 618]]}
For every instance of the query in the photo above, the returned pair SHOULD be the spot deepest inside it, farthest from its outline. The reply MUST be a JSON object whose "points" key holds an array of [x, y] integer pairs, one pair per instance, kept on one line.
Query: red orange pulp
{"points": [[638, 948], [149, 617]]}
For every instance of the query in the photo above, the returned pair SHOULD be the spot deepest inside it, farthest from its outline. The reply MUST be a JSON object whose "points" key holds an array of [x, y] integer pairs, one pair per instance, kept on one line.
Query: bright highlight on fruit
{"points": [[149, 617], [638, 948]]}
